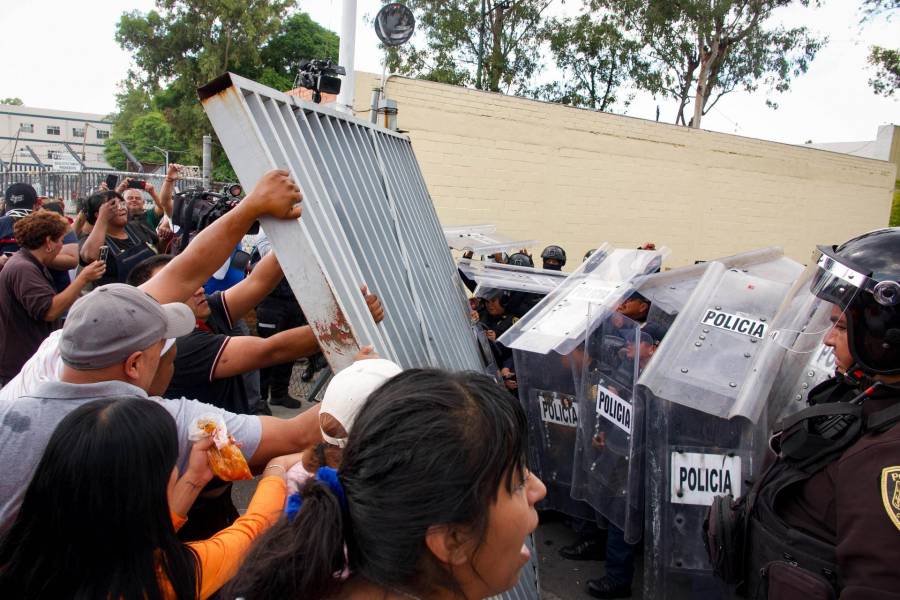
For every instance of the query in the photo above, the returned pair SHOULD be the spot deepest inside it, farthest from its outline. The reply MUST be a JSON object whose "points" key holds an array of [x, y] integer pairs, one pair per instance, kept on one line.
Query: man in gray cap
{"points": [[112, 343]]}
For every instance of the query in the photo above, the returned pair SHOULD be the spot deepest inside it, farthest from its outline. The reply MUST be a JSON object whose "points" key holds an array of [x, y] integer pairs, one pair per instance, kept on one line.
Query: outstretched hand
{"points": [[275, 194], [373, 303]]}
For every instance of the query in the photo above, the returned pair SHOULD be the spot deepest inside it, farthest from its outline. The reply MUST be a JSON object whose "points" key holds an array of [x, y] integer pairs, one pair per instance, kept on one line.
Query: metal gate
{"points": [[367, 219]]}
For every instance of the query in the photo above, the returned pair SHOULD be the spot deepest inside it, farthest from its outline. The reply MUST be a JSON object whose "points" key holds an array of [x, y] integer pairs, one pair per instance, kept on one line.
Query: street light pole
{"points": [[166, 153]]}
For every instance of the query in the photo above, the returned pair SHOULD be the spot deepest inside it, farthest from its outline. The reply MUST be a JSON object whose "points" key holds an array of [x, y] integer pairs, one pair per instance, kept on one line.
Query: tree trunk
{"points": [[495, 71], [707, 58]]}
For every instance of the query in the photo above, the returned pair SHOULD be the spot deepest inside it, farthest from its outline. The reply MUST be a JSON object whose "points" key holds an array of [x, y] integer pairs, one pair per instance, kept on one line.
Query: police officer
{"points": [[824, 518], [554, 258]]}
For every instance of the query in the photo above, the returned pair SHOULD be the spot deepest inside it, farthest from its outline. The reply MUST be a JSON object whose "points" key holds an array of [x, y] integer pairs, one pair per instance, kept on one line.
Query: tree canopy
{"points": [[181, 45], [703, 50], [507, 39]]}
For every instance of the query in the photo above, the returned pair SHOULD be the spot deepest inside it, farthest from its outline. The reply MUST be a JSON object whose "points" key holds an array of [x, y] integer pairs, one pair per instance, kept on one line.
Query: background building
{"points": [[578, 177], [59, 139]]}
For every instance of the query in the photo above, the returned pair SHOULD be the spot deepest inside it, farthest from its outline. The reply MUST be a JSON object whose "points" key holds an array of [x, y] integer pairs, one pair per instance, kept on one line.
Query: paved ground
{"points": [[560, 579]]}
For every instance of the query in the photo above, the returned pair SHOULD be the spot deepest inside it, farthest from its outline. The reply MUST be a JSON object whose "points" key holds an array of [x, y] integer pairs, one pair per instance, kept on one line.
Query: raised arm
{"points": [[159, 209], [90, 249], [245, 353], [284, 436], [168, 187], [276, 194], [244, 296]]}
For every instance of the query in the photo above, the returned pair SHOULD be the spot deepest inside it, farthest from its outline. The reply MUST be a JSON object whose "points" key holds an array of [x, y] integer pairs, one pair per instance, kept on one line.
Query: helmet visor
{"points": [[805, 316]]}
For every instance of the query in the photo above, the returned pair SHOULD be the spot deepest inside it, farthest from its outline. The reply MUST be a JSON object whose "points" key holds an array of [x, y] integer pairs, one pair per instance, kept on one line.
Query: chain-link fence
{"points": [[70, 186]]}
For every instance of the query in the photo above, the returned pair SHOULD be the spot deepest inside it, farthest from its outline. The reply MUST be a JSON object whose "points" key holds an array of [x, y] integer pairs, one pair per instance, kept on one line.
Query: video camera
{"points": [[319, 76], [195, 209]]}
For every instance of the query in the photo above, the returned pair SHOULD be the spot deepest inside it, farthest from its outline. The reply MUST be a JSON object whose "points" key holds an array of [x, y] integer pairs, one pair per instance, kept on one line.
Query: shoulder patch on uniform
{"points": [[890, 493]]}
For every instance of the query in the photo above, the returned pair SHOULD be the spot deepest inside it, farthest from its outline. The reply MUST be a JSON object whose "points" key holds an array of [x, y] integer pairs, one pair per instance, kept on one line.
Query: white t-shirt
{"points": [[45, 365]]}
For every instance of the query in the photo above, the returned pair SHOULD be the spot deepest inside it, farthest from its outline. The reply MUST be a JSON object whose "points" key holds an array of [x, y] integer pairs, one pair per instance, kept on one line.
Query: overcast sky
{"points": [[62, 54]]}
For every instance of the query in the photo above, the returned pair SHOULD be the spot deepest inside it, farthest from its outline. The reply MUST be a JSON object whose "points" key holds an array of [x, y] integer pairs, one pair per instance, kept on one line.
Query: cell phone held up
{"points": [[104, 253], [137, 184], [112, 181]]}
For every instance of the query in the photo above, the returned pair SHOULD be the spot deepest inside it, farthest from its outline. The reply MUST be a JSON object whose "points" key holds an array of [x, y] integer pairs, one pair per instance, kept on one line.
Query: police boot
{"points": [[587, 548], [607, 588]]}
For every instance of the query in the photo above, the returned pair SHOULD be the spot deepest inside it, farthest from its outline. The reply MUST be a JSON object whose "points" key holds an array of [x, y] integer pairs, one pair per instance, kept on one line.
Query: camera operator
{"points": [[127, 243]]}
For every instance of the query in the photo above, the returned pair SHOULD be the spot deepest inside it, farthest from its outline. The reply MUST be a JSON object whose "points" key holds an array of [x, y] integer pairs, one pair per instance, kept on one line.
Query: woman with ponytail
{"points": [[97, 518], [433, 499]]}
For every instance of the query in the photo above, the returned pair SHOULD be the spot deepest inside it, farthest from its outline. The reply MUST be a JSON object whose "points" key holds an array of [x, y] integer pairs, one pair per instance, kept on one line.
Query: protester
{"points": [[213, 360], [278, 311], [410, 530], [111, 346], [20, 200], [30, 306], [113, 462], [126, 243], [344, 397], [134, 202]]}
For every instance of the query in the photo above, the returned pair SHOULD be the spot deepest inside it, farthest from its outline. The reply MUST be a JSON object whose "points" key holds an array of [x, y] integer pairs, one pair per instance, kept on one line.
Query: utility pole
{"points": [[346, 56], [207, 161]]}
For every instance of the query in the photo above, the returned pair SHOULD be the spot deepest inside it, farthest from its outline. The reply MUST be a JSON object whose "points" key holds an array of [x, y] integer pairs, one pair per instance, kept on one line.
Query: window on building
{"points": [[26, 127], [52, 129], [54, 154], [78, 132], [102, 134]]}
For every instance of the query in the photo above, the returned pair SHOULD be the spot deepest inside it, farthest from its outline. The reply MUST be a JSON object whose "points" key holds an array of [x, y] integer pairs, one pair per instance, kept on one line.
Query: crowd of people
{"points": [[106, 381], [133, 395]]}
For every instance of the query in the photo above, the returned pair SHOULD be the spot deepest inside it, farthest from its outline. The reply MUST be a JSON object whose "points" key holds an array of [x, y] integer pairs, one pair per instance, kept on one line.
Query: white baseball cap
{"points": [[350, 388]]}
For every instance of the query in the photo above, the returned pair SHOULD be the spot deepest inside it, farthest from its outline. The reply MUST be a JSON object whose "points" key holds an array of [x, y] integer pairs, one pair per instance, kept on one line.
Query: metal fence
{"points": [[69, 186], [367, 218]]}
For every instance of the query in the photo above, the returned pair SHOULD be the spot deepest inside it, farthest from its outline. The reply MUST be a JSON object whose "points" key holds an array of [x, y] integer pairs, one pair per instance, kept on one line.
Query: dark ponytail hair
{"points": [[95, 520], [428, 448]]}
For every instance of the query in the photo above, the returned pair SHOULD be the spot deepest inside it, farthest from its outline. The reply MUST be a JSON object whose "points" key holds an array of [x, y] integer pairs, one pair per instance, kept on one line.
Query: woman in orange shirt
{"points": [[97, 518]]}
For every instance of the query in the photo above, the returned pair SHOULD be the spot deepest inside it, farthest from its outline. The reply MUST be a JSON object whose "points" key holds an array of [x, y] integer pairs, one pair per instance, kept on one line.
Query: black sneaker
{"points": [[592, 548], [607, 588], [285, 401]]}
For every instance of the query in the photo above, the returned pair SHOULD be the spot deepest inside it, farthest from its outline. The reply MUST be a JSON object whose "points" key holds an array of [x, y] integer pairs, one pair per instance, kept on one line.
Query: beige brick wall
{"points": [[578, 178]]}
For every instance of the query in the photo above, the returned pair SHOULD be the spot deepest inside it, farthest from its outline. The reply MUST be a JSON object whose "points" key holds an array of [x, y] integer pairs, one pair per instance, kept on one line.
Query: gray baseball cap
{"points": [[112, 322]]}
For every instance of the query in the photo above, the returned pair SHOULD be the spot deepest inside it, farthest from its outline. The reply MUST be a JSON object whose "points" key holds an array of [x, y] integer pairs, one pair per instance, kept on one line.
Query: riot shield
{"points": [[705, 429], [510, 277], [483, 240], [560, 320], [548, 352], [608, 469], [548, 391]]}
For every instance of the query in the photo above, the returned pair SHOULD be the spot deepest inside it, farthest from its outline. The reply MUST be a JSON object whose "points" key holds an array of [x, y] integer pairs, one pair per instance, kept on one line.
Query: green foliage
{"points": [[12, 101], [596, 61], [184, 44], [886, 79], [509, 47], [895, 208], [703, 50]]}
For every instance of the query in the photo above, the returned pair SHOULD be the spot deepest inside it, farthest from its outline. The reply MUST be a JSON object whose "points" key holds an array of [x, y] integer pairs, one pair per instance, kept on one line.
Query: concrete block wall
{"points": [[578, 178]]}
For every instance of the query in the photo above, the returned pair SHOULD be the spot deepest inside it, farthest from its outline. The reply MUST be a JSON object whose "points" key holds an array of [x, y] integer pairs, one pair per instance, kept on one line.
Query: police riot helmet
{"points": [[520, 259], [862, 277], [555, 253], [587, 254]]}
